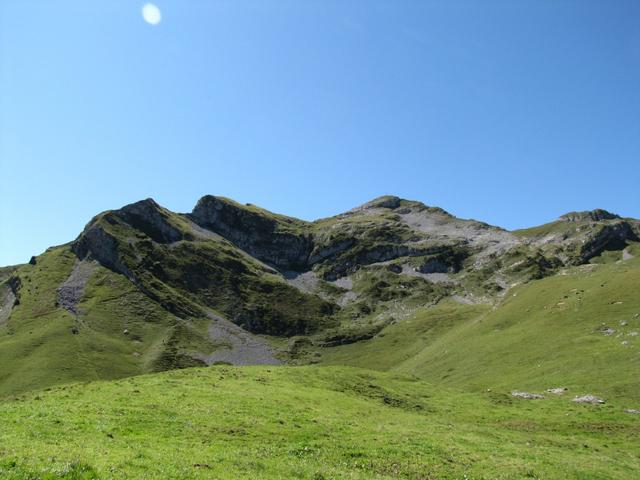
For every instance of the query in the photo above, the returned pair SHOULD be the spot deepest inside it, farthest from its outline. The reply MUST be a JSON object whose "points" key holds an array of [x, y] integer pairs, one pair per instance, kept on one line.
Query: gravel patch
{"points": [[444, 227], [71, 291], [242, 347], [199, 232], [347, 298], [305, 282], [344, 282], [347, 284], [7, 301], [431, 277]]}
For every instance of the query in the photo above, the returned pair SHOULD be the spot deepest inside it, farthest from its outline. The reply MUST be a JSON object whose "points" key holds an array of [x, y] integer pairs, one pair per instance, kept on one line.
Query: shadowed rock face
{"points": [[269, 238], [150, 218], [95, 243], [145, 216], [609, 237]]}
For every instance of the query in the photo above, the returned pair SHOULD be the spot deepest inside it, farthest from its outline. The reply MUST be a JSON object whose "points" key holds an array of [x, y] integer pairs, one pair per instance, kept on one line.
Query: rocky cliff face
{"points": [[277, 240], [612, 236], [97, 244], [577, 237]]}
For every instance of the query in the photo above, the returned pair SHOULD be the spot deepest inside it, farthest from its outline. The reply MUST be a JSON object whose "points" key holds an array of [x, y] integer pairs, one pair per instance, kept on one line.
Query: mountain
{"points": [[425, 347], [144, 289]]}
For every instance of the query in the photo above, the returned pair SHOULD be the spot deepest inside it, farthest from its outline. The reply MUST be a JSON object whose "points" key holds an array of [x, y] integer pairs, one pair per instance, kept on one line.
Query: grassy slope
{"points": [[403, 340], [38, 348], [38, 332], [306, 422], [546, 229], [544, 334]]}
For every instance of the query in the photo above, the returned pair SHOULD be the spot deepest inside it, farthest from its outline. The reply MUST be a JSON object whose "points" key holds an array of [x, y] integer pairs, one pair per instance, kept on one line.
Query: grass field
{"points": [[309, 423]]}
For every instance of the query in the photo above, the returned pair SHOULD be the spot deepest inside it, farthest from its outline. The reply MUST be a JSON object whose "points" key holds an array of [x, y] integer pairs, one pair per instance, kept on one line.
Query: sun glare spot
{"points": [[151, 14]]}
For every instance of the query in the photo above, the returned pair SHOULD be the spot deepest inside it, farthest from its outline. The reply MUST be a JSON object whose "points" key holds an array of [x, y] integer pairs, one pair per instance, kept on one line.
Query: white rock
{"points": [[526, 395], [589, 399], [557, 390]]}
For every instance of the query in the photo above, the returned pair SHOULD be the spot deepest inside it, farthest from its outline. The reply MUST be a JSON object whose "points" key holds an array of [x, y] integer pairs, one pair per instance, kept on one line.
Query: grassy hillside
{"points": [[125, 334], [404, 339], [307, 423], [579, 329]]}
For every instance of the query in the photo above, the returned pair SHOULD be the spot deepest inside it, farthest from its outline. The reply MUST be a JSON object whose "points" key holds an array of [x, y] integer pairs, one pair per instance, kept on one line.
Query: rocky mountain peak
{"points": [[596, 215], [386, 201]]}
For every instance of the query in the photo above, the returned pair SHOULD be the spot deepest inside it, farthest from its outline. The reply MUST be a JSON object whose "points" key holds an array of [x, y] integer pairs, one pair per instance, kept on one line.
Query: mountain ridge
{"points": [[295, 287]]}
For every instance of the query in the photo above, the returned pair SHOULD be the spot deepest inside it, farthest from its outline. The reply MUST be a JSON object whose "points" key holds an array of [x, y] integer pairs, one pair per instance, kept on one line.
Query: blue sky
{"points": [[511, 112]]}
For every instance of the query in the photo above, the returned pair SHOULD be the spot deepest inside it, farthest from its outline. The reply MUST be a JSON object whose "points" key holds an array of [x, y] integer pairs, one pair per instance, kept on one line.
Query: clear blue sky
{"points": [[511, 112]]}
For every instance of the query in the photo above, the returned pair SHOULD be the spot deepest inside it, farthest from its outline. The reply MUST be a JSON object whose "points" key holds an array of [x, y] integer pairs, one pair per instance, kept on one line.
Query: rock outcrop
{"points": [[612, 236], [95, 243], [150, 218], [596, 215], [274, 239]]}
